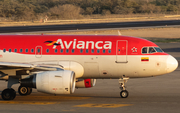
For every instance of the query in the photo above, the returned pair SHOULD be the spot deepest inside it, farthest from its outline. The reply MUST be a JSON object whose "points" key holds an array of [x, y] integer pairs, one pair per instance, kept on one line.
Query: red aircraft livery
{"points": [[57, 64]]}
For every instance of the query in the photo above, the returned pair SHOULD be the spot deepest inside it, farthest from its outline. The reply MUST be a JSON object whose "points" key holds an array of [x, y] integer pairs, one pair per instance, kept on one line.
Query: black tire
{"points": [[8, 94], [29, 91], [23, 90], [124, 94]]}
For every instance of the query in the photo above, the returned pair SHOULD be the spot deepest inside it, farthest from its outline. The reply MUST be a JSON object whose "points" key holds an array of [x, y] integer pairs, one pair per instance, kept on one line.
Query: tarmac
{"points": [[90, 26], [146, 95]]}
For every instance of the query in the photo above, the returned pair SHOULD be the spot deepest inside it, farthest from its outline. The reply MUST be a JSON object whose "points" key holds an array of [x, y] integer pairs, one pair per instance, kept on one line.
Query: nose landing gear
{"points": [[124, 93]]}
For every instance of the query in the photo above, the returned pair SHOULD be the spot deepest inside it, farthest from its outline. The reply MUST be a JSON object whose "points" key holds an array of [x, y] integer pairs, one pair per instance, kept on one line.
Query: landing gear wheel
{"points": [[8, 94], [29, 91], [124, 94], [23, 90]]}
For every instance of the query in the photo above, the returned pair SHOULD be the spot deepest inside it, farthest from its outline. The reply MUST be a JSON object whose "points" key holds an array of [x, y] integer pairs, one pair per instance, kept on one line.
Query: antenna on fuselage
{"points": [[119, 33]]}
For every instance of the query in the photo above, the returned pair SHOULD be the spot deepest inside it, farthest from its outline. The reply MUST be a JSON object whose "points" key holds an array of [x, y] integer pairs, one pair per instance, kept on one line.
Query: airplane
{"points": [[57, 64]]}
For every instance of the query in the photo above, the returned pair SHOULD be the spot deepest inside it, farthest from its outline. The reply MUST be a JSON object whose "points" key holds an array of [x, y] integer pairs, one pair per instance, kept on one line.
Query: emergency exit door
{"points": [[121, 51], [38, 51]]}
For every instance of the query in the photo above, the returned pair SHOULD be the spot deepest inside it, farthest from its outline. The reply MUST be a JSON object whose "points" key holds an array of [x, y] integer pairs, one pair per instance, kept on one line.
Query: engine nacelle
{"points": [[53, 82], [85, 83]]}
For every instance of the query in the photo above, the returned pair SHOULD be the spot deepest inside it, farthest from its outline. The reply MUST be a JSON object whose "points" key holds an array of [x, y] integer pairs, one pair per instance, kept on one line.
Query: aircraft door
{"points": [[38, 52], [121, 51]]}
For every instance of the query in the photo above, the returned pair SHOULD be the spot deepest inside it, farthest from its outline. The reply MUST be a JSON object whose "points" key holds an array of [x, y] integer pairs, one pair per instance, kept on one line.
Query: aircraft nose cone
{"points": [[172, 64]]}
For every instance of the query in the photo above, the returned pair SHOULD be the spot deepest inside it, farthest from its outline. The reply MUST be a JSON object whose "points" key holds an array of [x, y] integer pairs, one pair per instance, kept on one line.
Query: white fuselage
{"points": [[98, 66]]}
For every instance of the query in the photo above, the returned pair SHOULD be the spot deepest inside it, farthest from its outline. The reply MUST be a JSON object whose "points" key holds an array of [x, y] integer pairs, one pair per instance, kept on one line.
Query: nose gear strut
{"points": [[124, 93]]}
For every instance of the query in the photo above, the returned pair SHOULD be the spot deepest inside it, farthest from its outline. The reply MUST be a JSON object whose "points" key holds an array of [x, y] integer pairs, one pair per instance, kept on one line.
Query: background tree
{"points": [[65, 11], [71, 9]]}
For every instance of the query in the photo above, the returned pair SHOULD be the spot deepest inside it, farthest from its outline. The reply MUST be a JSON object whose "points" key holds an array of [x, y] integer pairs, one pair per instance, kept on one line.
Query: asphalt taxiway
{"points": [[157, 94], [72, 27]]}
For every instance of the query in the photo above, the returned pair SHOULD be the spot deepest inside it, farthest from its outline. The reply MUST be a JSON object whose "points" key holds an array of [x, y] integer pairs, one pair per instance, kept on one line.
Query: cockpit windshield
{"points": [[146, 50], [158, 49]]}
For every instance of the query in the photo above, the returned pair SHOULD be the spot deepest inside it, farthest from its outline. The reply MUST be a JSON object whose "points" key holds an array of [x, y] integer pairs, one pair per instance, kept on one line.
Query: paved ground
{"points": [[93, 26], [158, 95]]}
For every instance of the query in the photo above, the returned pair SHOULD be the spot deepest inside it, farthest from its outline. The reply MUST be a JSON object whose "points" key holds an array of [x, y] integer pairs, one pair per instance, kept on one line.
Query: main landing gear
{"points": [[23, 90], [8, 94], [124, 93]]}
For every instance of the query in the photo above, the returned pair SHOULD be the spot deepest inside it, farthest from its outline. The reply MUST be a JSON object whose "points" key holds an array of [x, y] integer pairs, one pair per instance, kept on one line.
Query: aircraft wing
{"points": [[27, 66], [12, 65]]}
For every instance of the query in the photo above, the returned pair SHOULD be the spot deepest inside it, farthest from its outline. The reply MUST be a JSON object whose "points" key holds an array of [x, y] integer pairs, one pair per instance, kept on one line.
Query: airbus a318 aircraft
{"points": [[57, 64]]}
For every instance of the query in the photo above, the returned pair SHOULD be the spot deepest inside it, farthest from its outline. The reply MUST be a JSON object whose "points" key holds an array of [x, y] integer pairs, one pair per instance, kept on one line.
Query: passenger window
{"points": [[26, 50], [87, 50], [4, 50], [10, 50], [92, 51], [47, 50], [61, 50], [151, 50], [81, 51], [72, 51], [21, 50], [67, 50], [55, 50], [98, 51], [15, 50], [109, 50], [144, 50], [39, 50], [104, 51], [32, 50]]}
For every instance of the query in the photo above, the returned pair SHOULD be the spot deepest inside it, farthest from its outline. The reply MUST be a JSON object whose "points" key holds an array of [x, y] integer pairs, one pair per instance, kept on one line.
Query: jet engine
{"points": [[85, 83], [53, 82]]}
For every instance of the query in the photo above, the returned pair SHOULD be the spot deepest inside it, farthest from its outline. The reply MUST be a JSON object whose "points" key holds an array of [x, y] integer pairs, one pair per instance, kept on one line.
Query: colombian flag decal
{"points": [[144, 59]]}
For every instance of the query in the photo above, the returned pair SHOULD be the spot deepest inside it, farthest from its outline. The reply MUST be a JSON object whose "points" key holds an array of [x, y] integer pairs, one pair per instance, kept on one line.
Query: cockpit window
{"points": [[158, 49], [147, 50], [151, 50], [144, 50]]}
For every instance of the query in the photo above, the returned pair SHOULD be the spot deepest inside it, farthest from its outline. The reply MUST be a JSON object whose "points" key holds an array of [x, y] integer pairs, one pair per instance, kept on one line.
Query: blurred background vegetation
{"points": [[18, 10]]}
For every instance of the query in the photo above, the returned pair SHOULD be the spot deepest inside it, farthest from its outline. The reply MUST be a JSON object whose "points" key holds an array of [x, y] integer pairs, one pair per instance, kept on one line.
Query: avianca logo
{"points": [[80, 44], [49, 43]]}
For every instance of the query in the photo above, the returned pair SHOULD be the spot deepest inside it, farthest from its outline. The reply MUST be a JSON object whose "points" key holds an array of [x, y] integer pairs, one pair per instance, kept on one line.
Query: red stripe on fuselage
{"points": [[74, 44]]}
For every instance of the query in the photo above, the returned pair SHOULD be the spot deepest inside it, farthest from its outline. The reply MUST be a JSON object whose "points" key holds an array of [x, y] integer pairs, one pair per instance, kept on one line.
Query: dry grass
{"points": [[144, 33], [96, 19], [154, 32]]}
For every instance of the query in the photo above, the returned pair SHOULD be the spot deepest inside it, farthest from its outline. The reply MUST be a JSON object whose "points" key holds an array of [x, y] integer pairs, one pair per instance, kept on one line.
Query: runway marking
{"points": [[103, 105], [69, 110], [22, 102], [62, 97], [47, 98]]}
